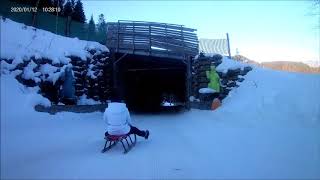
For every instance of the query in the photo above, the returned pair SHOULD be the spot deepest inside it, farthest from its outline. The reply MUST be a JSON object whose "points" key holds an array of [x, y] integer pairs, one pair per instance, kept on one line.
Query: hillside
{"points": [[288, 66]]}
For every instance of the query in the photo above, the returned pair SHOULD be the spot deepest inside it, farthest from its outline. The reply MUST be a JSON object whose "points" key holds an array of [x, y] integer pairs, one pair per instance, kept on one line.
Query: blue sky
{"points": [[261, 30]]}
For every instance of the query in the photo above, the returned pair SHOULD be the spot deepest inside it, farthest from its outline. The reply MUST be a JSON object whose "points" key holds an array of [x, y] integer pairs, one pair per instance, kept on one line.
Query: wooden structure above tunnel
{"points": [[152, 39]]}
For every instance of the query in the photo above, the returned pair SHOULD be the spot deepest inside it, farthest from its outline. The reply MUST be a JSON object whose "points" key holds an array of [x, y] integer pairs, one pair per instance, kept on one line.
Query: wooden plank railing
{"points": [[151, 38]]}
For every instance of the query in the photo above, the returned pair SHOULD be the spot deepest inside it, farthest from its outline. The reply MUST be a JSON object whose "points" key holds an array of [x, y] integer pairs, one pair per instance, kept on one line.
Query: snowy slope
{"points": [[268, 128], [19, 42]]}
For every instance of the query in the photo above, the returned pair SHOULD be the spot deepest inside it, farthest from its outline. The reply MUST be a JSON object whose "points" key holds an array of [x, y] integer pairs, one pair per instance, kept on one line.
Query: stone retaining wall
{"points": [[92, 76], [228, 80]]}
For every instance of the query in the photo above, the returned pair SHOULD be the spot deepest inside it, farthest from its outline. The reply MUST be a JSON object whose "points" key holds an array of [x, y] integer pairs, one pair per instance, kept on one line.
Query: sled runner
{"points": [[126, 141]]}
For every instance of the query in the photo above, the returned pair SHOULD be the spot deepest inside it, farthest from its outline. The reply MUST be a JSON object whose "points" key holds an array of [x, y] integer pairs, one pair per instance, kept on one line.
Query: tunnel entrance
{"points": [[149, 83]]}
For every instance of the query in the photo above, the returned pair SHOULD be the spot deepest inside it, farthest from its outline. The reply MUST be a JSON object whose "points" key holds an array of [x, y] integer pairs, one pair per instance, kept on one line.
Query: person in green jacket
{"points": [[214, 78]]}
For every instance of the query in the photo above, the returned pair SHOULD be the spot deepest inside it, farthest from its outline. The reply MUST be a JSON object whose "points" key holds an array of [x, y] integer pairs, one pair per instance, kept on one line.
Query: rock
{"points": [[21, 66], [204, 105], [92, 51], [202, 63], [9, 61], [233, 72], [241, 79], [201, 74], [226, 91], [247, 69], [224, 82], [233, 78], [217, 57], [231, 84], [203, 85], [204, 97], [217, 63], [222, 96], [26, 82], [202, 68], [203, 80]]}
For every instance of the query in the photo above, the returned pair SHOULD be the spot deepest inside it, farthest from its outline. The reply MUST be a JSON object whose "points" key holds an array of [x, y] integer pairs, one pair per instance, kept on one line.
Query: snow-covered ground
{"points": [[269, 127]]}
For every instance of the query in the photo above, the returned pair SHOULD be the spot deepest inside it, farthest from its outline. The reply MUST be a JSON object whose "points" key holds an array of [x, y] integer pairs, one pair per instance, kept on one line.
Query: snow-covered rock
{"points": [[230, 64], [36, 56]]}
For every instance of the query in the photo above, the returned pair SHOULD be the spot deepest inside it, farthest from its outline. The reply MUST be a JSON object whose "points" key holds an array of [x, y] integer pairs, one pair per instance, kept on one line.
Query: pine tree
{"points": [[102, 25], [102, 28], [92, 25], [45, 3], [67, 9], [73, 4], [91, 28], [58, 3], [78, 13]]}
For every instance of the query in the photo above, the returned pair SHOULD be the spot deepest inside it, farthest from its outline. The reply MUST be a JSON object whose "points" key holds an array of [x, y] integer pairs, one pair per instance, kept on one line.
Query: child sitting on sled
{"points": [[118, 119]]}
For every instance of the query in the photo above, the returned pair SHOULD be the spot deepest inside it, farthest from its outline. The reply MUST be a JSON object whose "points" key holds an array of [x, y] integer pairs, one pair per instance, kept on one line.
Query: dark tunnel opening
{"points": [[147, 82]]}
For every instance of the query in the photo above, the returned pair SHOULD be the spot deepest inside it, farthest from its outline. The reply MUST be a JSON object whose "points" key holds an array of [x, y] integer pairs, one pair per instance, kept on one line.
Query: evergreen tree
{"points": [[92, 25], [45, 3], [67, 9], [91, 28], [78, 13], [58, 3], [102, 28], [102, 25], [73, 4]]}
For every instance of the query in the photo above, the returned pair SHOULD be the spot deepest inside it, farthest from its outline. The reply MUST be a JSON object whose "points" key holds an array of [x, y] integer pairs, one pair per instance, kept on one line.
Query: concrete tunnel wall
{"points": [[143, 80]]}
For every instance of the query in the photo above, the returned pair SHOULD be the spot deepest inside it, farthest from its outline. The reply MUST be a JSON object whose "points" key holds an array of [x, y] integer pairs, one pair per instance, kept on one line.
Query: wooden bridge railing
{"points": [[153, 39]]}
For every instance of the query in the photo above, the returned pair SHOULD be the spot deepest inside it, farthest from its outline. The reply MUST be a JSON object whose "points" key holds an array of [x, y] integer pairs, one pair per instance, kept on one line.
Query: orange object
{"points": [[215, 104]]}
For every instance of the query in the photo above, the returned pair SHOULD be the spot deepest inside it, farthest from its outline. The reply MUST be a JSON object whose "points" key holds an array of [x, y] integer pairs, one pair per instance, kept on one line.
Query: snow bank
{"points": [[84, 100], [228, 63], [16, 98], [19, 42]]}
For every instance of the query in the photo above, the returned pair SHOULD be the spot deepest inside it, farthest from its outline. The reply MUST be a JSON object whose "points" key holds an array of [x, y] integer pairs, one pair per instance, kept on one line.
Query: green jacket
{"points": [[214, 78]]}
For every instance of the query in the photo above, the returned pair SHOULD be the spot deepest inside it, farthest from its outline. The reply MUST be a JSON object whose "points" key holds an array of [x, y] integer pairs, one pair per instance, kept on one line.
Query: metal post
{"points": [[57, 18], [34, 14], [188, 82], [150, 39], [228, 41], [133, 38]]}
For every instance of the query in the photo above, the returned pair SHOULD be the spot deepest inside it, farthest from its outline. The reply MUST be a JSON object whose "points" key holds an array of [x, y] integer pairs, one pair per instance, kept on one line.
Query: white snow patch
{"points": [[206, 90], [28, 72], [167, 104], [84, 100], [230, 64], [47, 69]]}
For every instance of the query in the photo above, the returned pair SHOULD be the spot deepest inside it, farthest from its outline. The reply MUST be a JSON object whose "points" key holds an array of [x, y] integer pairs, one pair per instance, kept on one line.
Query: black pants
{"points": [[133, 130]]}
